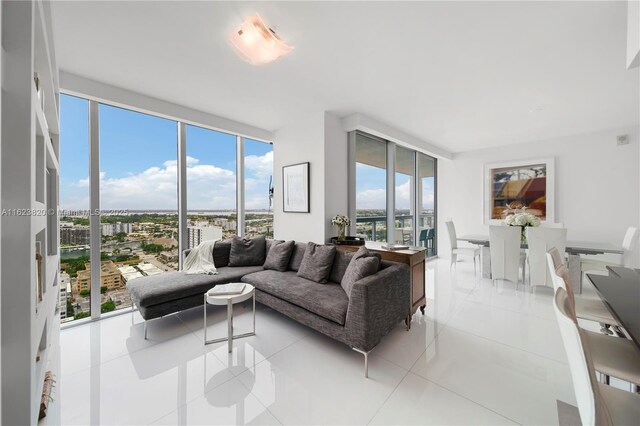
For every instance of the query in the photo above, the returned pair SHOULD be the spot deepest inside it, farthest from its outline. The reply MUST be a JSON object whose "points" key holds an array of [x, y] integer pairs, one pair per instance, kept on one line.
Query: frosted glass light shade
{"points": [[256, 43]]}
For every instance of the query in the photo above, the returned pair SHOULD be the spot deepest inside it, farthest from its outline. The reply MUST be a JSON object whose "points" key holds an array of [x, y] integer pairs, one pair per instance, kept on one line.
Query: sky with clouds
{"points": [[371, 189], [138, 163], [138, 166]]}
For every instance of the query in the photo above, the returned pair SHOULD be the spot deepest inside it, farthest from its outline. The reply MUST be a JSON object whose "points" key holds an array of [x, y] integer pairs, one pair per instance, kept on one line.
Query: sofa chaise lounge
{"points": [[376, 304]]}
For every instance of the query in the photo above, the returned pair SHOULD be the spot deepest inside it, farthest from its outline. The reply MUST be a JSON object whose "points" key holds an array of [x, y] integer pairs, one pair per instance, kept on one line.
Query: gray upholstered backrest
{"points": [[297, 255], [221, 253]]}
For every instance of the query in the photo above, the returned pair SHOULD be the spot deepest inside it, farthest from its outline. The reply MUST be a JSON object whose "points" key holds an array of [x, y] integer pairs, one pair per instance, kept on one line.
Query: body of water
{"points": [[77, 251]]}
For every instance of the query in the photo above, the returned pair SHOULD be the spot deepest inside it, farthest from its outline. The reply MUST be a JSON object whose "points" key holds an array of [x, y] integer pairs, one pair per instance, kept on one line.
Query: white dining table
{"points": [[573, 249]]}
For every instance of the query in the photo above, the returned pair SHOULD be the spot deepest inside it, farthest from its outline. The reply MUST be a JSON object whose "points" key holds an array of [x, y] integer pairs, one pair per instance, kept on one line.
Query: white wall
{"points": [[300, 142], [320, 140], [597, 185], [633, 34], [336, 178]]}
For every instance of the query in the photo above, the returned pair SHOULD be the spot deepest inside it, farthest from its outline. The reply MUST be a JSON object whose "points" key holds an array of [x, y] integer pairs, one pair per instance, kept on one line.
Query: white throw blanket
{"points": [[200, 259]]}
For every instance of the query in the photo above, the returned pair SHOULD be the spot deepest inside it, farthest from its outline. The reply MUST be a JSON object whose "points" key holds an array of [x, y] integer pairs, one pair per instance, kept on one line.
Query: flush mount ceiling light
{"points": [[256, 43]]}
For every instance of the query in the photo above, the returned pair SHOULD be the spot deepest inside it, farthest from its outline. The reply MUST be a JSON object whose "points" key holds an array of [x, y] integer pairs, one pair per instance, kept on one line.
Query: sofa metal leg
{"points": [[618, 331], [145, 329], [407, 322], [605, 328], [366, 361]]}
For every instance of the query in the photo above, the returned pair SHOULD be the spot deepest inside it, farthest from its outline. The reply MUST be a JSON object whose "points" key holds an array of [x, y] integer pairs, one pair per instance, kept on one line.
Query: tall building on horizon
{"points": [[200, 233], [112, 229], [74, 235]]}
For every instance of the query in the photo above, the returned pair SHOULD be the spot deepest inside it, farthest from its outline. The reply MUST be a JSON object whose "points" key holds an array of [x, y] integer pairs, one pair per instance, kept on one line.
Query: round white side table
{"points": [[229, 300]]}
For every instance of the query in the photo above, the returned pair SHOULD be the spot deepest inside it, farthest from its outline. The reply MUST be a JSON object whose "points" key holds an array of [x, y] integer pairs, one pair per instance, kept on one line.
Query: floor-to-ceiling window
{"points": [[404, 165], [138, 173], [138, 201], [427, 203], [211, 185], [75, 280], [371, 188], [387, 175], [258, 185]]}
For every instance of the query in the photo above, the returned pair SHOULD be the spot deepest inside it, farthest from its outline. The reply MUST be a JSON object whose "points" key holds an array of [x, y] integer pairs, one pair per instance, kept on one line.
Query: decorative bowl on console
{"points": [[348, 241]]}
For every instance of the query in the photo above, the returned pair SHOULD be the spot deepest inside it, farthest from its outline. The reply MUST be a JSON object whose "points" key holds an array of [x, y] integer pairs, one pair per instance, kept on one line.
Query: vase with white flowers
{"points": [[341, 221], [522, 220]]}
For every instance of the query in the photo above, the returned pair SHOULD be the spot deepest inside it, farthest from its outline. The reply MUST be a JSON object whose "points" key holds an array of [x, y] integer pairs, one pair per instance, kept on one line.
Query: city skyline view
{"points": [[138, 198]]}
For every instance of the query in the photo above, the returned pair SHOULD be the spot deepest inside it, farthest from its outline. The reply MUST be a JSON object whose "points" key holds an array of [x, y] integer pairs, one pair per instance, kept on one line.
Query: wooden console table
{"points": [[415, 257]]}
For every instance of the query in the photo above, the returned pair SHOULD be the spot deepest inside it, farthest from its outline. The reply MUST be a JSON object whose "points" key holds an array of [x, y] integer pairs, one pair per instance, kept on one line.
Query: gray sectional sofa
{"points": [[377, 303]]}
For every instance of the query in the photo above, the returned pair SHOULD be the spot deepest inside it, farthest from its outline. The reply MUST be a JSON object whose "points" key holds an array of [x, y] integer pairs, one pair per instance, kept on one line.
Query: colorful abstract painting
{"points": [[518, 187]]}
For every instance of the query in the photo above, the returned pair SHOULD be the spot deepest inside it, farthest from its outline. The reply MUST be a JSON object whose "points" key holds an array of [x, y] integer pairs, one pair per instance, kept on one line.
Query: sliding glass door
{"points": [[389, 177], [404, 205], [426, 193]]}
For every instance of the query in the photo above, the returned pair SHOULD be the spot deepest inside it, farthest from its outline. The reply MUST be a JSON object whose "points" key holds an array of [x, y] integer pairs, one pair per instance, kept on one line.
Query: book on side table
{"points": [[227, 289], [394, 247]]}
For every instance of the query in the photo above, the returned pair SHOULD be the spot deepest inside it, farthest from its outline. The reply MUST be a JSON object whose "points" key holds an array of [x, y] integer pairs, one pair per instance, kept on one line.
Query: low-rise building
{"points": [[169, 256], [129, 273], [110, 277], [149, 269], [165, 242]]}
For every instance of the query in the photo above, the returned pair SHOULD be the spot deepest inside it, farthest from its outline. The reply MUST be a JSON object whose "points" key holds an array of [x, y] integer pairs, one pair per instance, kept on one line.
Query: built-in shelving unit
{"points": [[30, 238]]}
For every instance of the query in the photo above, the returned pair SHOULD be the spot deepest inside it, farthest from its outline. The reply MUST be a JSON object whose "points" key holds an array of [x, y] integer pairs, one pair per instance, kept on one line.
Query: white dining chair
{"points": [[554, 259], [540, 240], [456, 251], [629, 243], [594, 264], [504, 244], [399, 236], [586, 308], [612, 356], [598, 404]]}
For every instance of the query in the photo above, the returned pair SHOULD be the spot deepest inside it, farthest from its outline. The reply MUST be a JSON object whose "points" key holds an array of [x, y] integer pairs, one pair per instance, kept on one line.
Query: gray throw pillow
{"points": [[340, 264], [363, 264], [316, 263], [247, 251], [278, 255], [221, 250]]}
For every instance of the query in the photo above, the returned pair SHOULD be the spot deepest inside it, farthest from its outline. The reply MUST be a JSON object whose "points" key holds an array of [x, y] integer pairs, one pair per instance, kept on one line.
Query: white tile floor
{"points": [[480, 355]]}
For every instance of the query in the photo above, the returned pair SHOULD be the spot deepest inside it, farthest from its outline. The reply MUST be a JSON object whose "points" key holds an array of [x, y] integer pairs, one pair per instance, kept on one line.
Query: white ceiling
{"points": [[461, 75]]}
